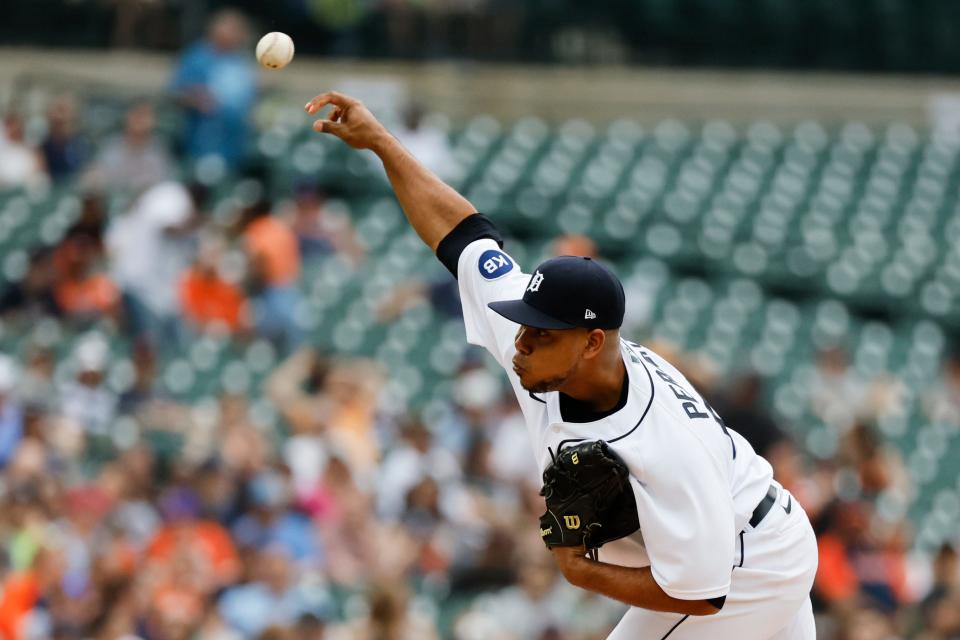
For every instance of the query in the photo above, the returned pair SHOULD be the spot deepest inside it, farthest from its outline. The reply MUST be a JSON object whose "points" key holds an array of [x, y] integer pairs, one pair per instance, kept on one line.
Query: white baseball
{"points": [[275, 50]]}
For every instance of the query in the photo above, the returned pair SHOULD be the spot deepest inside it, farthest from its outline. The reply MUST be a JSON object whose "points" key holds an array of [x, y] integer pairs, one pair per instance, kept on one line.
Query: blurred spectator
{"points": [[840, 397], [297, 387], [941, 620], [860, 560], [389, 616], [510, 449], [414, 458], [942, 402], [274, 260], [150, 247], [141, 391], [36, 380], [206, 298], [33, 296], [239, 444], [878, 466], [83, 291], [130, 482], [946, 584], [273, 523], [331, 407], [540, 601], [837, 393], [11, 412], [573, 244], [87, 402], [354, 389], [309, 627], [91, 226], [427, 143], [273, 597], [478, 405], [215, 82], [65, 151], [352, 538], [867, 624], [21, 165], [424, 518], [743, 412], [22, 589], [204, 544], [320, 230], [133, 161]]}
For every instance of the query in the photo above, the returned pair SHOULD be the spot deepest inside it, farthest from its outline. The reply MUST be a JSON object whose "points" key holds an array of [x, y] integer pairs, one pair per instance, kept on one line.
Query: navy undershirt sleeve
{"points": [[469, 229]]}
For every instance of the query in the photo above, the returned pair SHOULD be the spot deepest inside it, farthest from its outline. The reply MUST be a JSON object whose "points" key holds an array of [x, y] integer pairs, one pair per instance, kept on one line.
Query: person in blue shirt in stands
{"points": [[215, 82]]}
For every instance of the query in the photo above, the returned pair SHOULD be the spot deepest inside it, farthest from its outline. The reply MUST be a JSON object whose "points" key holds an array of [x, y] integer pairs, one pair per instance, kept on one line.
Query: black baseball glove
{"points": [[589, 498]]}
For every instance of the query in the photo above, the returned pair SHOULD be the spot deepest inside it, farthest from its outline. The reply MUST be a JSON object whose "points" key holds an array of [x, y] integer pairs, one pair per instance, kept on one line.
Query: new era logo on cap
{"points": [[589, 315]]}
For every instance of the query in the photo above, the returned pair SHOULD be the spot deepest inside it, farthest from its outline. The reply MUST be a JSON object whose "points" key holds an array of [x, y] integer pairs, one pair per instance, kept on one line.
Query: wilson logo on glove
{"points": [[572, 522]]}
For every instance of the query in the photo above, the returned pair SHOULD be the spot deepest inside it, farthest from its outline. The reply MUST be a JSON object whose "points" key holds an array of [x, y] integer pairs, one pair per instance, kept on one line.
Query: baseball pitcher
{"points": [[650, 498]]}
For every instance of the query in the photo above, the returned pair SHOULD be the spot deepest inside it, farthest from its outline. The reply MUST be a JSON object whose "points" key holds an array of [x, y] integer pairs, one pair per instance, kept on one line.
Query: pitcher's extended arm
{"points": [[432, 207]]}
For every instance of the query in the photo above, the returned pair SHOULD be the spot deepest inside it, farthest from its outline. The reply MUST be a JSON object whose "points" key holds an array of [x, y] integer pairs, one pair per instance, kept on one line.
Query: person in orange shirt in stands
{"points": [[185, 535], [274, 267], [19, 593], [81, 290], [206, 298]]}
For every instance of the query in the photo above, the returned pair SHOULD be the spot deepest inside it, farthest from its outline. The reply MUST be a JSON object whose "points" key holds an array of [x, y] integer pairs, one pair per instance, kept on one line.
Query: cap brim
{"points": [[520, 312]]}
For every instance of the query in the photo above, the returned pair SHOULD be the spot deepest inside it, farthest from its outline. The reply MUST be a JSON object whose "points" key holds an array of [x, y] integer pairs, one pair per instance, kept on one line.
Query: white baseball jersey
{"points": [[696, 481]]}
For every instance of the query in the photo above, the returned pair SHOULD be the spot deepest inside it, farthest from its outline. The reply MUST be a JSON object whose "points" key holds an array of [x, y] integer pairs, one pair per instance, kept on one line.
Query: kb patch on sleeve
{"points": [[494, 264]]}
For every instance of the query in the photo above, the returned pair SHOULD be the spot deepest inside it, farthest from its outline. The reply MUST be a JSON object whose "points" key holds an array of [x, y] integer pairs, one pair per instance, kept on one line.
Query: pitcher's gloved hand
{"points": [[589, 498]]}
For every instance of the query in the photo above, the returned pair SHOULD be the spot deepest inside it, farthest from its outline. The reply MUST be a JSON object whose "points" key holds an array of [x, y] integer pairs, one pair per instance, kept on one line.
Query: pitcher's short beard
{"points": [[545, 386], [550, 384]]}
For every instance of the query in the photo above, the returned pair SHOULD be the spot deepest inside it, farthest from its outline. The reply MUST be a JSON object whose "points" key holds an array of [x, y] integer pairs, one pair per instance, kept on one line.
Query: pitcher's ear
{"points": [[596, 339]]}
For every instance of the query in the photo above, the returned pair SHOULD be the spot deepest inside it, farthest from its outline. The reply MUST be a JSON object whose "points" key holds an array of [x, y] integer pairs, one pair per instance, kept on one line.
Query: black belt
{"points": [[764, 507]]}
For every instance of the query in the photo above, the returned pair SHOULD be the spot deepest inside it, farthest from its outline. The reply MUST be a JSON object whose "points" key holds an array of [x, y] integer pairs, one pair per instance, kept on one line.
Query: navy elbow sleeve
{"points": [[469, 229]]}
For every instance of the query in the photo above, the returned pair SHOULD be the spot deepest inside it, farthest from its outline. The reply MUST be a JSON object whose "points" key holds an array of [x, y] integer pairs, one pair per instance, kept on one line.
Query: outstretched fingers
{"points": [[330, 97]]}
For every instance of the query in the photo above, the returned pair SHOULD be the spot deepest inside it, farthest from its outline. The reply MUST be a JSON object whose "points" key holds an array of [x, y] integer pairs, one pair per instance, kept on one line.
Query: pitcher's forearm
{"points": [[633, 586], [432, 207]]}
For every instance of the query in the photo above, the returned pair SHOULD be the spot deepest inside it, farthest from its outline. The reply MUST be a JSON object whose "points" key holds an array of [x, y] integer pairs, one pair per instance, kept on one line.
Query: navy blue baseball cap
{"points": [[566, 293]]}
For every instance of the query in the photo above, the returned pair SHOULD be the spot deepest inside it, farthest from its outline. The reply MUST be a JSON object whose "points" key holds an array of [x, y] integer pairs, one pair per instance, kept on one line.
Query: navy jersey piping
{"points": [[741, 550], [674, 627], [645, 411], [642, 416]]}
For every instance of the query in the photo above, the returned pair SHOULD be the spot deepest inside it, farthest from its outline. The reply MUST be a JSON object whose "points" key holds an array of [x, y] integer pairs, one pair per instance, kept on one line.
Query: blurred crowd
{"points": [[356, 522]]}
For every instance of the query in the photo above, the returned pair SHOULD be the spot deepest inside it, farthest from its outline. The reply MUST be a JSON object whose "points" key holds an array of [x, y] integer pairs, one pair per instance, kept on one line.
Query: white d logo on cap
{"points": [[535, 282]]}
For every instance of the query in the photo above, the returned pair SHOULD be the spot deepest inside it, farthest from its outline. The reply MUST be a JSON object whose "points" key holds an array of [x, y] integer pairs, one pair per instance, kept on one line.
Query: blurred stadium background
{"points": [[235, 396]]}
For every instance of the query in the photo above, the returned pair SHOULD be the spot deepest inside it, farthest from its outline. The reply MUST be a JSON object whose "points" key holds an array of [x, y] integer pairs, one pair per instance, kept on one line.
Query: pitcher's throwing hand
{"points": [[349, 120]]}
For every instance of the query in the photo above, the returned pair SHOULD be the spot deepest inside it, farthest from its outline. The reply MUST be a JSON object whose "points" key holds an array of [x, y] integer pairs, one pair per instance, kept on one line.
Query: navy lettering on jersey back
{"points": [[690, 404]]}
